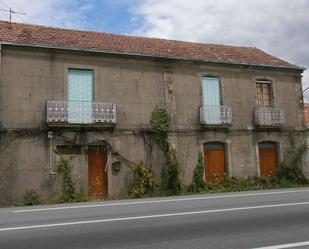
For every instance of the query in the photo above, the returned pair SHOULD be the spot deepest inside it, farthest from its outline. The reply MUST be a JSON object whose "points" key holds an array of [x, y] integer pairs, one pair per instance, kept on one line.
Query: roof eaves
{"points": [[148, 55]]}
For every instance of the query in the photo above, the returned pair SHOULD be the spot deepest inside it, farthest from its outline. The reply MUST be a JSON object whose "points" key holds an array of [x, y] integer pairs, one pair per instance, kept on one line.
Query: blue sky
{"points": [[112, 16], [266, 24]]}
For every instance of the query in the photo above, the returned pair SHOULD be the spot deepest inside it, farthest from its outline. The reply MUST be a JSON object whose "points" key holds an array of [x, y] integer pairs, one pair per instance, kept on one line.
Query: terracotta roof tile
{"points": [[88, 40]]}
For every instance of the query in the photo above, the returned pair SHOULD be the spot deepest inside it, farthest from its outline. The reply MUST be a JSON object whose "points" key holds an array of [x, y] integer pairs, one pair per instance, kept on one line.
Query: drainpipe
{"points": [[110, 153], [51, 137]]}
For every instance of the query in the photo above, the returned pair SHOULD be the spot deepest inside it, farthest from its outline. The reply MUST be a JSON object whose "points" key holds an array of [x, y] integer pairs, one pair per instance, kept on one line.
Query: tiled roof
{"points": [[26, 34]]}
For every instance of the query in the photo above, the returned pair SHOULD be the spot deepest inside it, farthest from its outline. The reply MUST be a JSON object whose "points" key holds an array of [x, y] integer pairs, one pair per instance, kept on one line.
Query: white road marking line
{"points": [[151, 216], [292, 245], [158, 201]]}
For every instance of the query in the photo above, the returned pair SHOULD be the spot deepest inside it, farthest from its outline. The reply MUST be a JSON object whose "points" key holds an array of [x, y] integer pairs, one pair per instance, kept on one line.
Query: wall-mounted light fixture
{"points": [[116, 166]]}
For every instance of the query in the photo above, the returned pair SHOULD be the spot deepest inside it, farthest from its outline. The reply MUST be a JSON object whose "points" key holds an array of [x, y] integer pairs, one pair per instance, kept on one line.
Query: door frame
{"points": [[227, 158], [279, 154], [227, 150], [102, 148]]}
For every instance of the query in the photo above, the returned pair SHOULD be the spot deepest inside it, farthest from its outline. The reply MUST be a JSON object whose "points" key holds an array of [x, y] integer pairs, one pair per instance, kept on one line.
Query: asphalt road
{"points": [[274, 219]]}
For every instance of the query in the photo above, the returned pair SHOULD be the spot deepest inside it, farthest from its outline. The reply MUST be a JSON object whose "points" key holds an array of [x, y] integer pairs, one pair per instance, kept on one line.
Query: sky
{"points": [[279, 27]]}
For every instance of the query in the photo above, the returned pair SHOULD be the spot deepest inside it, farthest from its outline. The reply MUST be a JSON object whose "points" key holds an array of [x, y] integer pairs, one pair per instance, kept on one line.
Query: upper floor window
{"points": [[80, 95], [212, 112], [211, 91], [264, 97]]}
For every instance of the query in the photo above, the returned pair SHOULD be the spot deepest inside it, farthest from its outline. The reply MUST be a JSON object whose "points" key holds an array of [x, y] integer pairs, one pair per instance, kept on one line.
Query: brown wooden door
{"points": [[97, 176], [268, 157], [214, 155]]}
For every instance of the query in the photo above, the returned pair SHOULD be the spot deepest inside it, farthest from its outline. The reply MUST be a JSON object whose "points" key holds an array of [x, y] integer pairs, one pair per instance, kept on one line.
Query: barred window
{"points": [[69, 149], [264, 96]]}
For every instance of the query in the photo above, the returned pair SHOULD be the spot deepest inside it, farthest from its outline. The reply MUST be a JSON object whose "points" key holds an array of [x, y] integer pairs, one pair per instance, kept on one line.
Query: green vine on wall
{"points": [[198, 183], [291, 167], [160, 123], [144, 181], [69, 190], [171, 173]]}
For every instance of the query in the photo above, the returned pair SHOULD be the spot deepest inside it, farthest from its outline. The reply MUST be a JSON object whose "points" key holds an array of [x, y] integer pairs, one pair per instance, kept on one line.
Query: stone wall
{"points": [[30, 77]]}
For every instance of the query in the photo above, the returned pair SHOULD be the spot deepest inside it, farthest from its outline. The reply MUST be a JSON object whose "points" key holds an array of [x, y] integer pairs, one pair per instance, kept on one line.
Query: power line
{"points": [[12, 12], [22, 10], [19, 10]]}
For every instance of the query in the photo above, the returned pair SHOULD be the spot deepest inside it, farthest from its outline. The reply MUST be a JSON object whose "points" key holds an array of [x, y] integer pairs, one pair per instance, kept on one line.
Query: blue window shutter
{"points": [[211, 100], [80, 95], [211, 91]]}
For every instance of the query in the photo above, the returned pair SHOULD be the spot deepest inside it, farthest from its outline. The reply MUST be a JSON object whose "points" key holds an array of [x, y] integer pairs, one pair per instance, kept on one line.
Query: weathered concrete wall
{"points": [[30, 77], [306, 159], [23, 165], [238, 89]]}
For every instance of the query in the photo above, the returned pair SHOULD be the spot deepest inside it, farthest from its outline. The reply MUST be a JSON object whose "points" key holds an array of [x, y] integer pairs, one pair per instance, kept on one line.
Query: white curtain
{"points": [[80, 96], [211, 100]]}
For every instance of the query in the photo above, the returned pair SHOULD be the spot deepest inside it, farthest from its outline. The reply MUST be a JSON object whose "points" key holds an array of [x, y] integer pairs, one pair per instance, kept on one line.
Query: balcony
{"points": [[81, 114], [269, 117], [213, 115]]}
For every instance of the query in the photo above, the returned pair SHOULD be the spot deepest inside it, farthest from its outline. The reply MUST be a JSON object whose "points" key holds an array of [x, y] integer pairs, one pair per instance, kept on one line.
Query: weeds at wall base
{"points": [[232, 184], [288, 175], [30, 198], [143, 182]]}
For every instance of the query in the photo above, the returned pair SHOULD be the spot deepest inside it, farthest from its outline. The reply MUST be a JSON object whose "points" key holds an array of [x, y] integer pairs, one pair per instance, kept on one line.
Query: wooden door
{"points": [[268, 157], [214, 155], [97, 176]]}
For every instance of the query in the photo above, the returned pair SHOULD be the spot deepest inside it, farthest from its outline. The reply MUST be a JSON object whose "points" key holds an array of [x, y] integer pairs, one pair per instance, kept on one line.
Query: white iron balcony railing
{"points": [[81, 112], [215, 115], [269, 117]]}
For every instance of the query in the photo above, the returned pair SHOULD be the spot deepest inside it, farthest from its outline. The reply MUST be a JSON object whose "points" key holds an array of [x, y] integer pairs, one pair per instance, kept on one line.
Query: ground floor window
{"points": [[69, 149]]}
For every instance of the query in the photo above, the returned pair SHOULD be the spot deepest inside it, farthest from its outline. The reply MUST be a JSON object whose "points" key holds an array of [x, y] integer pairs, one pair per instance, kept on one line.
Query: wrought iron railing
{"points": [[215, 115], [269, 116], [81, 112]]}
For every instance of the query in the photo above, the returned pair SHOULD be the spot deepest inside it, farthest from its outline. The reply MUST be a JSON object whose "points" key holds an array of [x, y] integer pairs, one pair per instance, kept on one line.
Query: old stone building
{"points": [[89, 96]]}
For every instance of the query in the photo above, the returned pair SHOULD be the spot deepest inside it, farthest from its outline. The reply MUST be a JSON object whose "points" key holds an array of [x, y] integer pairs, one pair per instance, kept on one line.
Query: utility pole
{"points": [[12, 12], [303, 93]]}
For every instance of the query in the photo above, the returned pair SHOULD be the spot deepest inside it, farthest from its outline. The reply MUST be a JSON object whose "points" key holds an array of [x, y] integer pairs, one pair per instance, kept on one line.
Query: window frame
{"points": [[75, 104], [271, 96], [68, 149], [220, 87], [80, 69]]}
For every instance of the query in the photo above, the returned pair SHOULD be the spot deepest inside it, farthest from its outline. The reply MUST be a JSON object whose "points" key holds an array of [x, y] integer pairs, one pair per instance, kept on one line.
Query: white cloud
{"points": [[278, 27], [58, 13]]}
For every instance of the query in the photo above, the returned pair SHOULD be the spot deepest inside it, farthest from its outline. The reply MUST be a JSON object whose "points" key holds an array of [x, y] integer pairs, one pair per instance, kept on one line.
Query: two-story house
{"points": [[89, 96]]}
